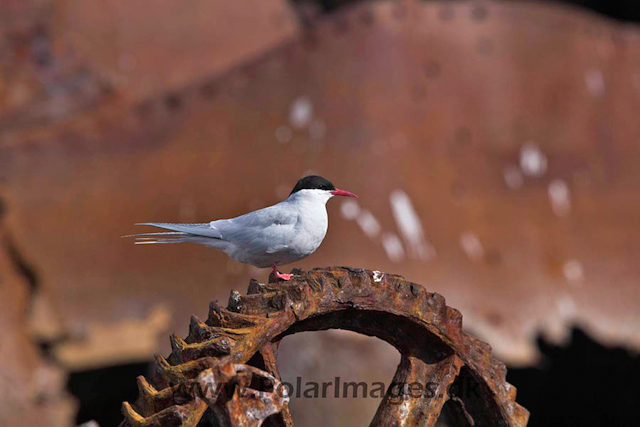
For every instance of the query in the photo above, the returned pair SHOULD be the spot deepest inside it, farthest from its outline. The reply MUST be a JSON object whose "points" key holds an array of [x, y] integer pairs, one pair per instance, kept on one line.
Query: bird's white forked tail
{"points": [[181, 233], [162, 237]]}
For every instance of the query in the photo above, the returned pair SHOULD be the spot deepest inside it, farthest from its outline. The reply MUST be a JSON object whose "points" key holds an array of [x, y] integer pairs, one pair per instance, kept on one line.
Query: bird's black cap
{"points": [[313, 182]]}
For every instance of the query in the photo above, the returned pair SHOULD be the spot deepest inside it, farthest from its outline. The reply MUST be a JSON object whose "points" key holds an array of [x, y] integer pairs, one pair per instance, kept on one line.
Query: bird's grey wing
{"points": [[203, 229], [264, 230]]}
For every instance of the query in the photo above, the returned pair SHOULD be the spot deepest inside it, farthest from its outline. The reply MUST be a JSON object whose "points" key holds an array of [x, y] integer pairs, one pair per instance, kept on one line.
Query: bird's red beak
{"points": [[338, 192]]}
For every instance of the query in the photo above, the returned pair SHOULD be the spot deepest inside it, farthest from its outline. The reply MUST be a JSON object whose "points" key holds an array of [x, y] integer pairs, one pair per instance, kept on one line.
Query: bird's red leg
{"points": [[279, 275]]}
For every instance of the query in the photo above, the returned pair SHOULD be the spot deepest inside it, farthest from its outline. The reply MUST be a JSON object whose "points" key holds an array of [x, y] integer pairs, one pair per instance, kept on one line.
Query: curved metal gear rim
{"points": [[427, 333]]}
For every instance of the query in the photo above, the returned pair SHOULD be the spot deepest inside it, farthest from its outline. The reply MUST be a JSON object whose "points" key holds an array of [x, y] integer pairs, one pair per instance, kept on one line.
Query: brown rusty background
{"points": [[510, 129]]}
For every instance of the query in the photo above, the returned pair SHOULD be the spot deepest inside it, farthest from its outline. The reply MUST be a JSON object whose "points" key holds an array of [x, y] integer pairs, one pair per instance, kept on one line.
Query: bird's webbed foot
{"points": [[282, 276]]}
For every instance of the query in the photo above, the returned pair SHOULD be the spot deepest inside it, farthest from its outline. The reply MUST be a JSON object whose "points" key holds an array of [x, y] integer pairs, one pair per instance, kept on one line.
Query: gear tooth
{"points": [[269, 302], [144, 388], [512, 391], [520, 413], [133, 418], [235, 302], [193, 327], [214, 347], [162, 370], [197, 330], [239, 328], [177, 348], [499, 368], [417, 290], [147, 396], [255, 287], [194, 322], [483, 346], [161, 362], [436, 302], [278, 301], [218, 346], [482, 351], [177, 343], [454, 317], [222, 318], [434, 307], [215, 314], [360, 278]]}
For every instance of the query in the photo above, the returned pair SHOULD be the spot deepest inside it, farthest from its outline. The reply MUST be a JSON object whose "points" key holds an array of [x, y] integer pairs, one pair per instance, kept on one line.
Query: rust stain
{"points": [[427, 333]]}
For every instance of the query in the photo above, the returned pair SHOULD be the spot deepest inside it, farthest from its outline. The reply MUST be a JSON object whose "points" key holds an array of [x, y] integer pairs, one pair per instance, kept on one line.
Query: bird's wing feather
{"points": [[269, 228]]}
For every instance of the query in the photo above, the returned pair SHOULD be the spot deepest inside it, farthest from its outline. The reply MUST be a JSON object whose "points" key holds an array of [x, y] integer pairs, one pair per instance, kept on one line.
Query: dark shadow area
{"points": [[622, 10], [398, 331], [584, 384], [100, 392]]}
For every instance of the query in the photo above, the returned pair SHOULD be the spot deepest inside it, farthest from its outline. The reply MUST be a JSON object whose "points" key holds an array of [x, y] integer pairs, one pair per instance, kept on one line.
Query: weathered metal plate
{"points": [[509, 130]]}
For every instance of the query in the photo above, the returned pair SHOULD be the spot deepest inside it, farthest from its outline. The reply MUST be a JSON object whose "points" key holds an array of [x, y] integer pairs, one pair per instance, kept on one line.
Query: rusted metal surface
{"points": [[442, 108], [32, 385], [59, 60], [429, 335], [229, 390], [509, 127]]}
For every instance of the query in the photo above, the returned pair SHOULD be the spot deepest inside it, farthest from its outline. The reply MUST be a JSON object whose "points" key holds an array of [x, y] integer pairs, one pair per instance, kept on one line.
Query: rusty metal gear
{"points": [[209, 367]]}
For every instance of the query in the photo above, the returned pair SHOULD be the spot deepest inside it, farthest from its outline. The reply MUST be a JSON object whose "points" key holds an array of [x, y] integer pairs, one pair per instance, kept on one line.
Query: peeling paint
{"points": [[533, 161], [350, 209], [513, 177], [573, 272], [301, 112], [368, 223], [559, 197], [471, 245], [393, 247], [377, 276], [410, 226], [595, 83]]}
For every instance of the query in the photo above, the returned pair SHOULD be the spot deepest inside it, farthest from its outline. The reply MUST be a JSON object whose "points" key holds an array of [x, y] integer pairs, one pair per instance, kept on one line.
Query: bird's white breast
{"points": [[311, 228]]}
